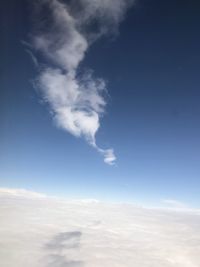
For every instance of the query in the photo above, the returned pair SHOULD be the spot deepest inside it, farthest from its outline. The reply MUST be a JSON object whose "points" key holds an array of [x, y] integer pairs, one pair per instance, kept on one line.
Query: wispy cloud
{"points": [[65, 33]]}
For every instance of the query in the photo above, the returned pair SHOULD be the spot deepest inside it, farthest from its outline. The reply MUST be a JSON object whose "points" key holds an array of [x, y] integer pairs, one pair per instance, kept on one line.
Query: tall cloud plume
{"points": [[66, 31]]}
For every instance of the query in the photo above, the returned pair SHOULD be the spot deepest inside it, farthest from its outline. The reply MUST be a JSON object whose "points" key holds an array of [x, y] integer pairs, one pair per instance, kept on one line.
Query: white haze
{"points": [[39, 231], [77, 102]]}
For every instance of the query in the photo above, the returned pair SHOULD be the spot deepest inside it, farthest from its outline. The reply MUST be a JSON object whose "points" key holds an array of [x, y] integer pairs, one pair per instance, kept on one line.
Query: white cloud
{"points": [[76, 107], [19, 193], [109, 156], [77, 101], [45, 232], [172, 203]]}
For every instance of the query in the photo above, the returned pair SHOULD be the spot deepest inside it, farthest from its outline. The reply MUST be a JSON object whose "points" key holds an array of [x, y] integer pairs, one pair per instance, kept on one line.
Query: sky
{"points": [[132, 133]]}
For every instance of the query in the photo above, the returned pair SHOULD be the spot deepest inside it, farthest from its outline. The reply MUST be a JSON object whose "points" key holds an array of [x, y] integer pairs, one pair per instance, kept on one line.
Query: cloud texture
{"points": [[48, 232], [63, 36]]}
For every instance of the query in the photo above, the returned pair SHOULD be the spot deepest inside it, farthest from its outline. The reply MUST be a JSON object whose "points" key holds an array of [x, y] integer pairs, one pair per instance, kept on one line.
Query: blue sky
{"points": [[151, 119]]}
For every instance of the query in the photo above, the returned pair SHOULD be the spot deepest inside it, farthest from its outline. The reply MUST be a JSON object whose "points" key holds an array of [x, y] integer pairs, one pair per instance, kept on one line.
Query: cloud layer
{"points": [[46, 232], [63, 36]]}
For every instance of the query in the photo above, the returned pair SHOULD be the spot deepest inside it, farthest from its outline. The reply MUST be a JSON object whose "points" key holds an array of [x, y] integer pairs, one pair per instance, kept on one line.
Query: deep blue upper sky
{"points": [[152, 118]]}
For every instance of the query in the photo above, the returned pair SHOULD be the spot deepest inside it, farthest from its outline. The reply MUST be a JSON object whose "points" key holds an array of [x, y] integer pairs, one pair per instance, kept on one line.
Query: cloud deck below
{"points": [[39, 231]]}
